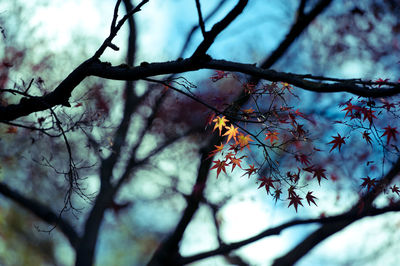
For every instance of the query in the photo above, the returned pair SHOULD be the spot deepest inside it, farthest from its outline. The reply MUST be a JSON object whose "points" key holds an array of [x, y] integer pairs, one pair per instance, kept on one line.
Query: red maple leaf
{"points": [[337, 142], [389, 133], [368, 114], [292, 192], [218, 75], [277, 194], [379, 81], [395, 189], [349, 109], [296, 201], [236, 161], [219, 165], [319, 174], [267, 182], [366, 136], [302, 158], [251, 170], [368, 182], [388, 105], [310, 198]]}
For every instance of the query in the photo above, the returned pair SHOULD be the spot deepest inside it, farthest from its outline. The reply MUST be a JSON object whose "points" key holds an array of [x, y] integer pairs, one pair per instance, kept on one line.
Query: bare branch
{"points": [[43, 212], [193, 30], [115, 28], [201, 21], [347, 217], [299, 26], [354, 86], [218, 28], [363, 207]]}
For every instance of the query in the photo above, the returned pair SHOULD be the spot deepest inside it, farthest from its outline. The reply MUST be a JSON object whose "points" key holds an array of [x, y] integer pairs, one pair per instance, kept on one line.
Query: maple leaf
{"points": [[298, 113], [366, 136], [302, 158], [309, 169], [267, 182], [299, 129], [395, 189], [287, 86], [368, 182], [277, 194], [219, 123], [310, 198], [218, 149], [368, 114], [248, 111], [271, 136], [210, 119], [251, 170], [389, 133], [319, 174], [294, 177], [231, 132], [249, 88], [218, 75], [219, 165], [380, 81], [236, 161], [292, 192], [349, 109], [296, 201], [388, 105], [12, 130], [243, 141], [337, 142]]}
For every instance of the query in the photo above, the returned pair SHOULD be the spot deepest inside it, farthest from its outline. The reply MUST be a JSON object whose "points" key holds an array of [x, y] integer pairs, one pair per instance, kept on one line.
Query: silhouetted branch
{"points": [[42, 212], [363, 207], [347, 218], [298, 27], [193, 30], [218, 28], [201, 21]]}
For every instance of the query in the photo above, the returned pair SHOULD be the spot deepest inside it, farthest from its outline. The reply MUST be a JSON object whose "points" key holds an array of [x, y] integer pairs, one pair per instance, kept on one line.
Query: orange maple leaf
{"points": [[12, 130], [219, 123], [231, 132], [218, 149], [271, 136], [243, 141]]}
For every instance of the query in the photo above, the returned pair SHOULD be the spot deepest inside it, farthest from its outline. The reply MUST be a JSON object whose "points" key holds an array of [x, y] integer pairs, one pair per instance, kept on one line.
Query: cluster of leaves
{"points": [[285, 135], [282, 133]]}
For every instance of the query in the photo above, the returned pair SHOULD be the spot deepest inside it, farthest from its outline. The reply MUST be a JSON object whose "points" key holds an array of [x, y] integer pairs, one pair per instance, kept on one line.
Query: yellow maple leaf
{"points": [[231, 132], [219, 123]]}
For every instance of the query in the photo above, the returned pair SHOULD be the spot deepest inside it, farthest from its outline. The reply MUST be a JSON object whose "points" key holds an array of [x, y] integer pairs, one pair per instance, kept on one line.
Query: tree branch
{"points": [[347, 217], [306, 82], [201, 21], [42, 212], [299, 26], [218, 28], [96, 68], [363, 207]]}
